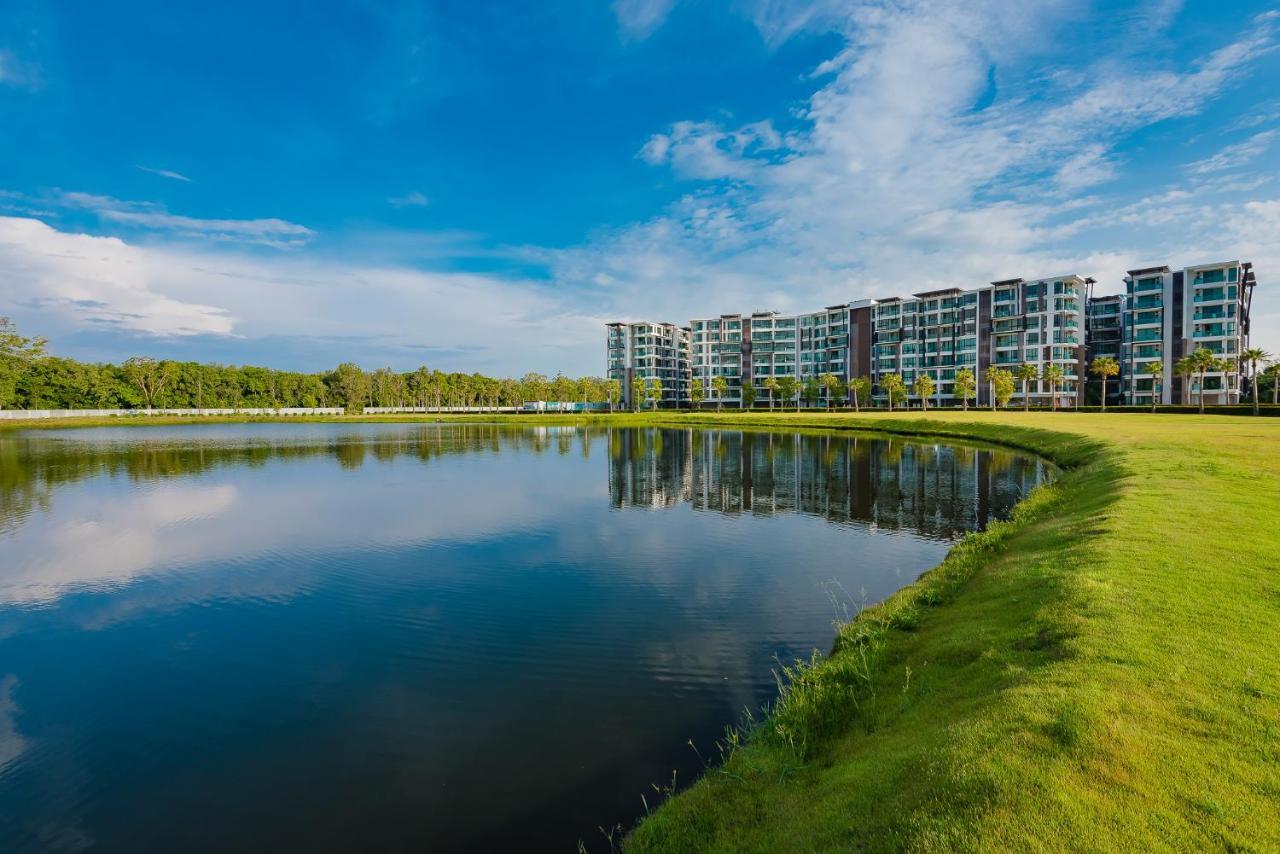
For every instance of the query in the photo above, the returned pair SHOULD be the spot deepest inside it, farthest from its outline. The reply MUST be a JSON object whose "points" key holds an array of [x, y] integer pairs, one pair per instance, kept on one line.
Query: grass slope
{"points": [[1101, 672]]}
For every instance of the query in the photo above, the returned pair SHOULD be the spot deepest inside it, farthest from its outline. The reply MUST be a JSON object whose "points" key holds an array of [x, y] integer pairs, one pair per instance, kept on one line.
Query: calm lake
{"points": [[423, 637]]}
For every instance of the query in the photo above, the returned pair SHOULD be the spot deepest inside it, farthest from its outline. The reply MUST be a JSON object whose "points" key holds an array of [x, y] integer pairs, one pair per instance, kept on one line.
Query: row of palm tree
{"points": [[1001, 382], [1196, 365], [1203, 361]]}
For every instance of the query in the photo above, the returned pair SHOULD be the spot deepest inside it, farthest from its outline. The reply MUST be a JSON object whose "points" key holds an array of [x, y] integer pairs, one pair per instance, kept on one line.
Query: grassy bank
{"points": [[1101, 672]]}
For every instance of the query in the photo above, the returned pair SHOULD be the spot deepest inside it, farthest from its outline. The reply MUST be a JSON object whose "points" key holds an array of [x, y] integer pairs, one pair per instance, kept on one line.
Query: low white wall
{"points": [[393, 410], [18, 414]]}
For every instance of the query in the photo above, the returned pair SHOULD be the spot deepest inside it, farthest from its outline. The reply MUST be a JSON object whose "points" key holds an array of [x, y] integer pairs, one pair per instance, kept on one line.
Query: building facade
{"points": [[1168, 314], [647, 351], [1104, 337], [1008, 323], [1162, 315]]}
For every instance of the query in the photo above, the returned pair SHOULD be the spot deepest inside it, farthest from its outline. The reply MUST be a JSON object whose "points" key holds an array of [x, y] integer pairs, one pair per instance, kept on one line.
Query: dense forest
{"points": [[32, 379]]}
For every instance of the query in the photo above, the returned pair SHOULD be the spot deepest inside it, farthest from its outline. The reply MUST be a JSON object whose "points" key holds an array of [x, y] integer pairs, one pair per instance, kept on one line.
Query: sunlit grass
{"points": [[1100, 672]]}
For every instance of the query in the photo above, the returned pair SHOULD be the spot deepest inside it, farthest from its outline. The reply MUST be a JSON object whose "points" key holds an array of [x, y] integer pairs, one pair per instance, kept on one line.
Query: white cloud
{"points": [[17, 73], [1088, 167], [147, 215], [166, 173], [896, 182], [639, 18], [100, 282], [703, 150], [76, 281], [409, 200], [1234, 156]]}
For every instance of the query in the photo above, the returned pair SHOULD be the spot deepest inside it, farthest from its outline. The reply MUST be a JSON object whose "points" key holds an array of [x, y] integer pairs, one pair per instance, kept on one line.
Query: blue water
{"points": [[421, 637]]}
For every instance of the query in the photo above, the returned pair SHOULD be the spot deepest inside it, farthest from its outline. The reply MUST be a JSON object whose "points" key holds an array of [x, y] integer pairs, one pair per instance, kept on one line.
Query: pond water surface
{"points": [[419, 637]]}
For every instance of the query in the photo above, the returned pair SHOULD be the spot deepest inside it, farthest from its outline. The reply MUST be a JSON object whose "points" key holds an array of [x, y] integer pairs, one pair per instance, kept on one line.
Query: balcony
{"points": [[1150, 302], [1147, 335], [1211, 295]]}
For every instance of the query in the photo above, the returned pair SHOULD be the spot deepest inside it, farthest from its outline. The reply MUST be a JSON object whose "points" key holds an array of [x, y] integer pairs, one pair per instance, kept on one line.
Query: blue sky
{"points": [[480, 186]]}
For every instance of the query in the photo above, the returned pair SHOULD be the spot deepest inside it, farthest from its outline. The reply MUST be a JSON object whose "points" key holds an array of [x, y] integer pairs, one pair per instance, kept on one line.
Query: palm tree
{"points": [[893, 387], [1183, 368], [991, 375], [923, 388], [1026, 373], [1274, 373], [770, 385], [1052, 374], [859, 390], [720, 386], [697, 393], [1002, 386], [831, 383], [789, 387], [1105, 366], [1252, 356], [1203, 361], [965, 386], [655, 392], [1155, 370], [1225, 366], [613, 389]]}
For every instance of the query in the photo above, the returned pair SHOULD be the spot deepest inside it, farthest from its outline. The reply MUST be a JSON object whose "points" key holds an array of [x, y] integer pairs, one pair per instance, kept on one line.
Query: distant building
{"points": [[1005, 324], [1162, 315], [1171, 313], [646, 351]]}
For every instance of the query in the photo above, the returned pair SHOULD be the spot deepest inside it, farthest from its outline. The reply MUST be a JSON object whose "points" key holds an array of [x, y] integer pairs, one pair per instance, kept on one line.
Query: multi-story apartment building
{"points": [[747, 350], [646, 350], [774, 349], [1008, 323], [1169, 314], [719, 350], [1162, 315], [1104, 336]]}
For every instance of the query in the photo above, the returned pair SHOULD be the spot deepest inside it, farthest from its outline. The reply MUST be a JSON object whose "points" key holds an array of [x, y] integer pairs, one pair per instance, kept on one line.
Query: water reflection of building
{"points": [[941, 490]]}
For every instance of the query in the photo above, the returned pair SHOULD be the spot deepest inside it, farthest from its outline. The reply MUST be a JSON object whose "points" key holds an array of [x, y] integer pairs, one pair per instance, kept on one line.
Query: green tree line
{"points": [[30, 378]]}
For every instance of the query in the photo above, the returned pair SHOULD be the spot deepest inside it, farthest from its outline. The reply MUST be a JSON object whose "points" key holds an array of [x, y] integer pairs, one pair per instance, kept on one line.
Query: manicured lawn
{"points": [[1102, 672]]}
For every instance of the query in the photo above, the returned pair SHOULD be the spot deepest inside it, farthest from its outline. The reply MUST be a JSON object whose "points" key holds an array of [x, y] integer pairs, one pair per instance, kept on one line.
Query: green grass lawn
{"points": [[1101, 672]]}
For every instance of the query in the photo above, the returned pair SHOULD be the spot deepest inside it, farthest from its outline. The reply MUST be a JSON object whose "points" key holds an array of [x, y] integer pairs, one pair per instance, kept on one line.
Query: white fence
{"points": [[18, 414], [397, 410], [531, 406]]}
